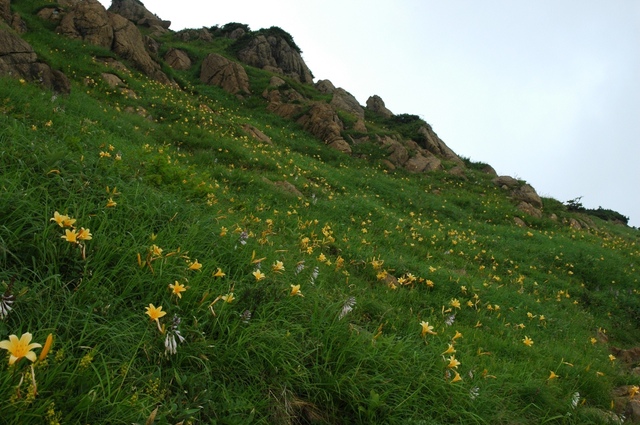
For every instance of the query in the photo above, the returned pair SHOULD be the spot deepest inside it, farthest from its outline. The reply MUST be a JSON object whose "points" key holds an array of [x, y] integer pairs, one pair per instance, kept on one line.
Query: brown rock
{"points": [[341, 145], [177, 59], [376, 104], [289, 188], [506, 182], [112, 80], [5, 11], [527, 208], [458, 171], [420, 163], [437, 147], [345, 101], [128, 43], [18, 59], [629, 356], [519, 222], [135, 12], [325, 86], [323, 122], [202, 34], [89, 21], [285, 110], [51, 14], [220, 71], [528, 194], [398, 153], [276, 81], [275, 54], [257, 134]]}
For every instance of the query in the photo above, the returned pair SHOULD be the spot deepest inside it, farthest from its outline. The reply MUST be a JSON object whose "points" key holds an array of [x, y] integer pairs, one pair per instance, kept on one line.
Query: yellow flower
{"points": [[47, 347], [62, 220], [427, 329], [277, 267], [456, 336], [111, 203], [542, 317], [295, 290], [19, 348], [155, 250], [527, 341], [450, 350], [322, 258], [552, 375], [84, 234], [177, 288], [454, 303], [70, 236], [456, 378], [155, 313], [228, 298], [612, 357], [223, 231], [453, 363], [258, 275], [195, 265], [633, 391], [593, 340], [218, 273]]}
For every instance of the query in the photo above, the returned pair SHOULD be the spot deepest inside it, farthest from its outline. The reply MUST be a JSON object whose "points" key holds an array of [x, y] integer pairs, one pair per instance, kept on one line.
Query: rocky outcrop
{"points": [[274, 54], [220, 71], [436, 146], [5, 11], [89, 21], [345, 101], [138, 14], [177, 59], [256, 134], [325, 86], [423, 162], [529, 201], [376, 104], [323, 122], [202, 34], [18, 59]]}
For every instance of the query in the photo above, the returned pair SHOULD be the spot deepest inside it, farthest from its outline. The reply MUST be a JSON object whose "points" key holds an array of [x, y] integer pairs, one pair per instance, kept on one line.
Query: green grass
{"points": [[188, 181]]}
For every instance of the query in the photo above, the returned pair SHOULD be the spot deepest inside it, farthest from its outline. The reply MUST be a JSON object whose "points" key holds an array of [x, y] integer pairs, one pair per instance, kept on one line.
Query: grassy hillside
{"points": [[375, 297]]}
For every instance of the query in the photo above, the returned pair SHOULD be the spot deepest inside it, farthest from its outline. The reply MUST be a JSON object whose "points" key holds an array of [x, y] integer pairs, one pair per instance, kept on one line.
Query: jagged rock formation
{"points": [[5, 11], [138, 14], [376, 104], [177, 59], [436, 146], [18, 59], [88, 20], [325, 86], [220, 71], [274, 54], [344, 100], [323, 122], [530, 202]]}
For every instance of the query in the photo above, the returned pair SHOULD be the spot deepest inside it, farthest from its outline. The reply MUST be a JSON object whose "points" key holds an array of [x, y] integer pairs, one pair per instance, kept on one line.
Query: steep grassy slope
{"points": [[186, 199]]}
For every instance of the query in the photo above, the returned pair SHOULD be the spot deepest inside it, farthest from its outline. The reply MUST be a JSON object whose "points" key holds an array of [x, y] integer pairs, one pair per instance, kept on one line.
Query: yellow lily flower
{"points": [[228, 298], [258, 275], [111, 203], [218, 273], [453, 363], [527, 341], [19, 348], [195, 265], [70, 236], [84, 234], [155, 313], [295, 290], [177, 288], [278, 267], [427, 329], [450, 350], [552, 375], [456, 378]]}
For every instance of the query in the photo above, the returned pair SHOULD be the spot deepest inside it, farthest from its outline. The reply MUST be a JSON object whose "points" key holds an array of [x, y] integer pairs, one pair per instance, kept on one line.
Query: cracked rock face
{"points": [[18, 59], [220, 71], [275, 54]]}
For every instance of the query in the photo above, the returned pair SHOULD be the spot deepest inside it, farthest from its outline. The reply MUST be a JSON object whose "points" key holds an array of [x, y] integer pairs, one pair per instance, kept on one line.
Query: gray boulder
{"points": [[220, 71], [376, 104], [275, 54]]}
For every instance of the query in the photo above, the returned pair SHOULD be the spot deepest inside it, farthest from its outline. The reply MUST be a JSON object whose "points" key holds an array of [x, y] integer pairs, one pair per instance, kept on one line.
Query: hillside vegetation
{"points": [[301, 285]]}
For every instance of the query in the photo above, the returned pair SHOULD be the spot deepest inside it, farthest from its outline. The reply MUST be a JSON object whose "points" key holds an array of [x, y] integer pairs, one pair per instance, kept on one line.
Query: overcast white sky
{"points": [[544, 90]]}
